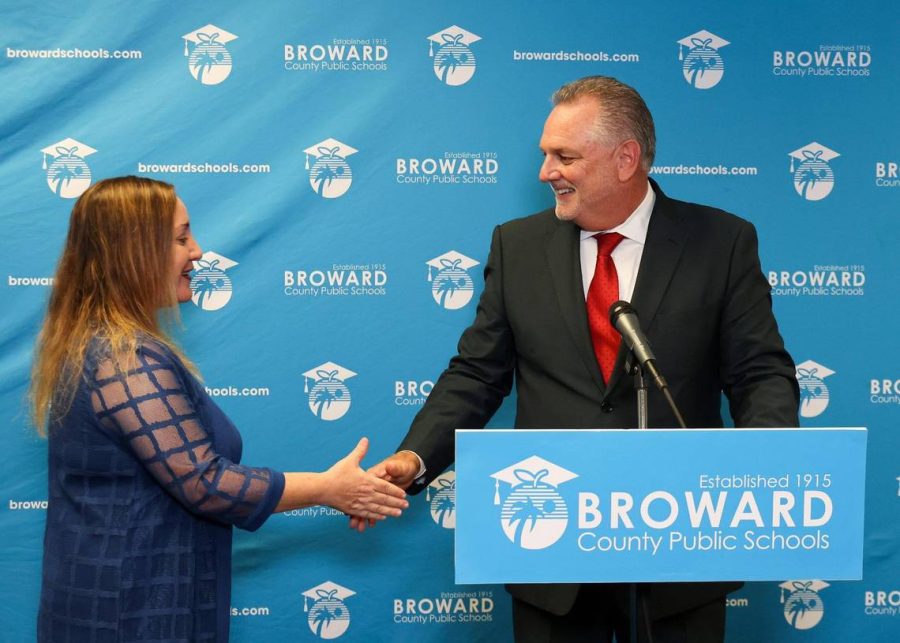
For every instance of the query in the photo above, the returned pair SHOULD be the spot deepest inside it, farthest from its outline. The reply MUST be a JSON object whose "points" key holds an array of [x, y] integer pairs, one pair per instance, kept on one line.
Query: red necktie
{"points": [[603, 292]]}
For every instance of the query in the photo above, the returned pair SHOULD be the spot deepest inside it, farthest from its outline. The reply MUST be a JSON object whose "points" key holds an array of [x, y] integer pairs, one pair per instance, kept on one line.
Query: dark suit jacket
{"points": [[704, 305]]}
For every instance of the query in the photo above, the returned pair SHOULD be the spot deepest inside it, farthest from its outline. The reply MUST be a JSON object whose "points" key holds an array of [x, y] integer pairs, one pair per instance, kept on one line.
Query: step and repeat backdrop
{"points": [[344, 164]]}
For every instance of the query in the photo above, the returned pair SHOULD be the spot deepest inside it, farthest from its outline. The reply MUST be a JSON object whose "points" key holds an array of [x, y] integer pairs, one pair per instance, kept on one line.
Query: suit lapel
{"points": [[564, 262]]}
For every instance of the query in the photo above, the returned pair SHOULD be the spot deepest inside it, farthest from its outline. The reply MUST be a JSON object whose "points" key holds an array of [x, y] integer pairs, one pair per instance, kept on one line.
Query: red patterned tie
{"points": [[603, 292]]}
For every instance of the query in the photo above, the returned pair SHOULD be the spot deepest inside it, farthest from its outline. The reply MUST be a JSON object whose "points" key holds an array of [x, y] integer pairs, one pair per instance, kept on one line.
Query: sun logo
{"points": [[208, 60], [68, 175], [814, 395], [702, 66], [330, 175], [813, 177], [534, 514], [803, 607], [441, 498], [328, 617], [452, 286], [454, 63], [328, 397], [210, 286]]}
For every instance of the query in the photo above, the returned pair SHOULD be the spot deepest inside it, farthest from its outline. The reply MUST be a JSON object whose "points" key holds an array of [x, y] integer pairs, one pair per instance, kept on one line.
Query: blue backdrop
{"points": [[344, 164]]}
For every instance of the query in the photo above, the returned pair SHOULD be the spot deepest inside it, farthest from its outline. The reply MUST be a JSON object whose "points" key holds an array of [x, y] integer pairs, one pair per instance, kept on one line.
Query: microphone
{"points": [[624, 318]]}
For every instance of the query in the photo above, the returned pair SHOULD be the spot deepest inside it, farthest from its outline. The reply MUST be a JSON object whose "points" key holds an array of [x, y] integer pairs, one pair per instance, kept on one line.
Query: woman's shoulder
{"points": [[145, 350]]}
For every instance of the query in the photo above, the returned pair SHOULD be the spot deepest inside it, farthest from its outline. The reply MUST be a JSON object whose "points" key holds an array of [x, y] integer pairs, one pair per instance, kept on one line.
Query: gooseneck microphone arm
{"points": [[624, 319]]}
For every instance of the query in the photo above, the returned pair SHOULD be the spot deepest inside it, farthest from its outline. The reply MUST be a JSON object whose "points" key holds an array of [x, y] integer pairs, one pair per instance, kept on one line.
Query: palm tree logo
{"points": [[68, 176], [452, 287], [329, 617], [703, 66], [454, 63], [443, 505], [814, 178], [330, 176], [329, 398], [211, 288], [803, 608], [814, 395], [534, 515], [210, 62]]}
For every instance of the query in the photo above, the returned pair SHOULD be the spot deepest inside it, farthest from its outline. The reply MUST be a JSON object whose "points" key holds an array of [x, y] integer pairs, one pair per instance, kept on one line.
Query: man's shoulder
{"points": [[537, 224], [698, 214]]}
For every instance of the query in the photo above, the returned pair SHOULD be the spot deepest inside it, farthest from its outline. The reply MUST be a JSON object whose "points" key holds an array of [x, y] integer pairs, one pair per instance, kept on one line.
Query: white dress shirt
{"points": [[627, 255]]}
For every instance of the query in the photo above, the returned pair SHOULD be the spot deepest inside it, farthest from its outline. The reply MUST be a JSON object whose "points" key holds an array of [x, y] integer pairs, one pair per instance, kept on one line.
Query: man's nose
{"points": [[549, 171]]}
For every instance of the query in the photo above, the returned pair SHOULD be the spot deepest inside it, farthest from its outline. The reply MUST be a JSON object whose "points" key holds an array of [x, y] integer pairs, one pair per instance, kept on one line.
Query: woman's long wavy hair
{"points": [[113, 282]]}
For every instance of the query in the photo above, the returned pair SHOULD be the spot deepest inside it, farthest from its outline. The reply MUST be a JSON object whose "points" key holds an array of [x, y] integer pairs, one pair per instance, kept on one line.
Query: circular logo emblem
{"points": [[703, 66], [454, 62], [803, 608], [814, 395], [534, 515], [452, 287], [68, 176], [330, 176], [443, 504], [814, 178], [328, 617], [210, 62], [210, 286], [329, 398]]}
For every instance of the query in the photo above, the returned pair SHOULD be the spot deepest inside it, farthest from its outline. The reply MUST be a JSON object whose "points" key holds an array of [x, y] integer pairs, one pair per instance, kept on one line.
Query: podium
{"points": [[659, 505]]}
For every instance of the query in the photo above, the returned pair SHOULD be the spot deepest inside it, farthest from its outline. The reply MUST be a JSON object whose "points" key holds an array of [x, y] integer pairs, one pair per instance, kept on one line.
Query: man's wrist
{"points": [[422, 469]]}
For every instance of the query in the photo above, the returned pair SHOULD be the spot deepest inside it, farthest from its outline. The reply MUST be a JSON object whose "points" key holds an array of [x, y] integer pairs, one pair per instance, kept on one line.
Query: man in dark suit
{"points": [[692, 273]]}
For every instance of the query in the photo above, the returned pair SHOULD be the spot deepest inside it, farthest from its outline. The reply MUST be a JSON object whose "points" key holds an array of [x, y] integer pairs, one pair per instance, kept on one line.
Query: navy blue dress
{"points": [[144, 487]]}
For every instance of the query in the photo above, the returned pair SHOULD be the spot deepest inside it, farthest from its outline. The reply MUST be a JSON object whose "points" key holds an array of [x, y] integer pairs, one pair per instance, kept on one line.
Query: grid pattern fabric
{"points": [[144, 487]]}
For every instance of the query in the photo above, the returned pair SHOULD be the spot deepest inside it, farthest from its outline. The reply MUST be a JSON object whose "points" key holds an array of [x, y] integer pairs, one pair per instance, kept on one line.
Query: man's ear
{"points": [[628, 159]]}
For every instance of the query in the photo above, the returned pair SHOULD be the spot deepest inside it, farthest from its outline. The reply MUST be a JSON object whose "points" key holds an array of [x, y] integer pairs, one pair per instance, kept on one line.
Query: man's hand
{"points": [[399, 469]]}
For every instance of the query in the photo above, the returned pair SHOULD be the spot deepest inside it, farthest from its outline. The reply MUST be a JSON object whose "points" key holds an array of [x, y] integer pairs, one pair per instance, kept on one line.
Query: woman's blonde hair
{"points": [[112, 282]]}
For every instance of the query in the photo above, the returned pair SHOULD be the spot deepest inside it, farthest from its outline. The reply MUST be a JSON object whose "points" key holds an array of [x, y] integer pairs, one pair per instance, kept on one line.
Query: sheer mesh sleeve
{"points": [[151, 409]]}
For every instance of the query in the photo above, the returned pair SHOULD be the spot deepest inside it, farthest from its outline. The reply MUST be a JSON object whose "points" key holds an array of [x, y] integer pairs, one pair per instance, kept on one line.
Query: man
{"points": [[692, 273]]}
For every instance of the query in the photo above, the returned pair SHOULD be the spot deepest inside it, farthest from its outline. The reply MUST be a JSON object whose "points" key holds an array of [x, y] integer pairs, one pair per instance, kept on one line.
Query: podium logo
{"points": [[702, 65], [803, 607], [208, 60], [68, 176], [814, 395], [453, 61], [328, 396], [328, 617], [210, 286], [441, 496], [330, 175], [451, 286], [813, 177], [534, 514]]}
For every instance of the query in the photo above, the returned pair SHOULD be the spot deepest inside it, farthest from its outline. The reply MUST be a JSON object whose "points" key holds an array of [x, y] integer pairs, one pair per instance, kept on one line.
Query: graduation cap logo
{"points": [[702, 65], [441, 495], [814, 396], [329, 397], [813, 177], [330, 175], [328, 616], [534, 515], [68, 176], [803, 607], [210, 286], [453, 61], [451, 286], [208, 59]]}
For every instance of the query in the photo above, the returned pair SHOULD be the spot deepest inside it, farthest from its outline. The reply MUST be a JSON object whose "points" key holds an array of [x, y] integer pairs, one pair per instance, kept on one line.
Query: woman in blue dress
{"points": [[145, 480]]}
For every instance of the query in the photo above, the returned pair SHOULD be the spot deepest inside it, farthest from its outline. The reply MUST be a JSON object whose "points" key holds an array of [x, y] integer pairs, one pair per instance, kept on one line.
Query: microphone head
{"points": [[618, 309]]}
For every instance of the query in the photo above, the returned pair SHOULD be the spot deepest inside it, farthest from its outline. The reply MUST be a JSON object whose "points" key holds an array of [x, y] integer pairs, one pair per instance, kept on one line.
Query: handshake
{"points": [[365, 496]]}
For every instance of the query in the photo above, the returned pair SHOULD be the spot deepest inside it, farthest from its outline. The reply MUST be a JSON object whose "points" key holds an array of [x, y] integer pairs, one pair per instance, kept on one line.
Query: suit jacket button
{"points": [[606, 407]]}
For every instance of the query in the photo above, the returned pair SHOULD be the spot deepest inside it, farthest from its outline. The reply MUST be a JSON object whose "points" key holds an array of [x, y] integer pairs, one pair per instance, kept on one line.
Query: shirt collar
{"points": [[635, 226]]}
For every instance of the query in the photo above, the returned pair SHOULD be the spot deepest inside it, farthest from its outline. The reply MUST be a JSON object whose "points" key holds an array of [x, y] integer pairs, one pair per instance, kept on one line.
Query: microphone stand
{"points": [[633, 367]]}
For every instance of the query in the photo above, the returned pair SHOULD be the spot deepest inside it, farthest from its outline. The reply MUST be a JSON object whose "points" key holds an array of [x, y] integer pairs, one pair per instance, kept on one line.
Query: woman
{"points": [[144, 474]]}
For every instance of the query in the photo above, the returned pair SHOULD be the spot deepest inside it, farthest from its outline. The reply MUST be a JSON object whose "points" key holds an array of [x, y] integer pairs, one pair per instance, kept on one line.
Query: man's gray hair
{"points": [[623, 113]]}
